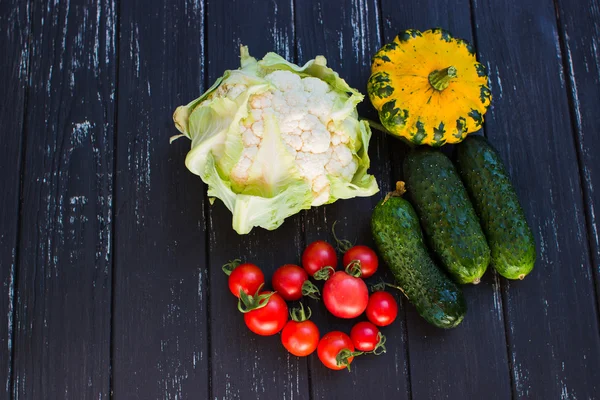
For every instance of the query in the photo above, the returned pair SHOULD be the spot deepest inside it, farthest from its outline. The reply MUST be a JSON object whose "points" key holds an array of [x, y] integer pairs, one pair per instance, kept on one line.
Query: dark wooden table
{"points": [[110, 255]]}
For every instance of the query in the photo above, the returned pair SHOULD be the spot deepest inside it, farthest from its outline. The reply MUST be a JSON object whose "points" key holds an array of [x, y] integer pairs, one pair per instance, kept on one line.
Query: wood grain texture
{"points": [[244, 365], [160, 294], [579, 28], [62, 331], [552, 319], [348, 34], [477, 347], [14, 51]]}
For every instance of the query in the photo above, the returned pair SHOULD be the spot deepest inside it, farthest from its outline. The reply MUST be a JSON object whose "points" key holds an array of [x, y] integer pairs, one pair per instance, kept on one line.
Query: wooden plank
{"points": [[14, 51], [552, 319], [160, 293], [62, 331], [579, 28], [478, 345], [347, 33], [244, 365]]}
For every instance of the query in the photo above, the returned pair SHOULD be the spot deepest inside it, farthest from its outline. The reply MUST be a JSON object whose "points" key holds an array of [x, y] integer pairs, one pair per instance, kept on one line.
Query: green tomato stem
{"points": [[299, 315], [324, 273], [380, 347], [248, 303], [230, 266], [310, 290], [353, 269], [343, 245]]}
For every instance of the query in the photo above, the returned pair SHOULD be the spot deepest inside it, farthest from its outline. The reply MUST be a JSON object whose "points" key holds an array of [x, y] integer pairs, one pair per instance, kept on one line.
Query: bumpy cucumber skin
{"points": [[497, 205], [397, 234], [447, 216]]}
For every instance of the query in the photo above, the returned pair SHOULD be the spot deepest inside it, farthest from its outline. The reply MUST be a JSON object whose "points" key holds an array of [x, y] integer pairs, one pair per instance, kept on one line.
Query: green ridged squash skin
{"points": [[447, 216], [497, 205], [397, 234]]}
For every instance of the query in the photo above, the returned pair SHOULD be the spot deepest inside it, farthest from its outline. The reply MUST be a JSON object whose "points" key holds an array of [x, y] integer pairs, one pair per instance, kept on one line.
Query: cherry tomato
{"points": [[367, 257], [365, 336], [382, 309], [330, 347], [345, 296], [246, 277], [317, 255], [270, 319], [300, 338], [288, 281]]}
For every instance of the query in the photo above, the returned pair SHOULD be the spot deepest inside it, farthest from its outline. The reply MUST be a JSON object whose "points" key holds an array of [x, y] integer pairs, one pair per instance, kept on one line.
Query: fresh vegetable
{"points": [[365, 258], [300, 336], [382, 308], [317, 256], [367, 338], [397, 233], [270, 318], [291, 282], [496, 202], [243, 277], [336, 351], [447, 215], [273, 138], [345, 295], [429, 88]]}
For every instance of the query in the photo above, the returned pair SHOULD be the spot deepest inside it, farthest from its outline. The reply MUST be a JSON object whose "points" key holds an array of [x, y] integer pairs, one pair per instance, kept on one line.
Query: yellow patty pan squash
{"points": [[429, 88]]}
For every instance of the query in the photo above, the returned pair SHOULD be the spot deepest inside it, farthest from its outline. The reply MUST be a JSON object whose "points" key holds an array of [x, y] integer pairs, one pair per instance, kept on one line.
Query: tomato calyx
{"points": [[354, 269], [343, 245], [248, 303], [380, 347], [230, 266], [324, 273], [298, 314], [380, 287], [310, 290], [342, 358]]}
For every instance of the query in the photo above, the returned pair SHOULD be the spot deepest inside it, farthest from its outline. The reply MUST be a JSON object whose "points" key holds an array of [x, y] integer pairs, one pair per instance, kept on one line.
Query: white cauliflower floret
{"points": [[273, 138], [302, 108], [285, 81], [230, 91], [315, 86]]}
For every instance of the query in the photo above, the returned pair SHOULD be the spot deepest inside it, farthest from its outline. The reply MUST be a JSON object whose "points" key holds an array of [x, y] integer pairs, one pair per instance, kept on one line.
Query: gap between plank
{"points": [[21, 171], [114, 203], [502, 285], [405, 303], [570, 87], [206, 216], [302, 215]]}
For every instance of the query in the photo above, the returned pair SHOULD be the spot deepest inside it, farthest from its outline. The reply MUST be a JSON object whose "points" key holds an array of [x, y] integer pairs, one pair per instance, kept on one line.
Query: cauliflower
{"points": [[273, 138]]}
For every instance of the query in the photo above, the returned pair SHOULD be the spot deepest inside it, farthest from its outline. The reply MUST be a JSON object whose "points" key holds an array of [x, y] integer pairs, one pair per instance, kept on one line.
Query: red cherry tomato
{"points": [[288, 281], [382, 309], [345, 296], [270, 319], [330, 347], [246, 277], [365, 336], [300, 338], [367, 257], [317, 255]]}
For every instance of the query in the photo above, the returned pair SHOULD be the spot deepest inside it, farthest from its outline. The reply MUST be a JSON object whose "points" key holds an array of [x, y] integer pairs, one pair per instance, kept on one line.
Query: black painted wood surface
{"points": [[14, 46], [551, 321], [160, 336], [110, 254]]}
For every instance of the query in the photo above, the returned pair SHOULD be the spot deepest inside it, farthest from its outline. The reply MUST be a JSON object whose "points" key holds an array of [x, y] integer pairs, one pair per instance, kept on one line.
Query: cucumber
{"points": [[397, 234], [497, 205], [447, 216]]}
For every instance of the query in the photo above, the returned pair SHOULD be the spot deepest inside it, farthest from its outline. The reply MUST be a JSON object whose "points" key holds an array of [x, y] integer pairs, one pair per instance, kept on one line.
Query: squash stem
{"points": [[440, 79]]}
